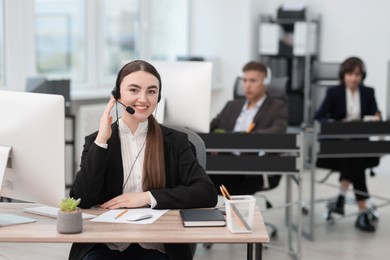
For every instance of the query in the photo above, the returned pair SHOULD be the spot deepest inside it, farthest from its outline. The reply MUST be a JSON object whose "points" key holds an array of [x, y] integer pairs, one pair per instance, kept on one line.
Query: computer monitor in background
{"points": [[56, 87], [186, 88], [33, 125]]}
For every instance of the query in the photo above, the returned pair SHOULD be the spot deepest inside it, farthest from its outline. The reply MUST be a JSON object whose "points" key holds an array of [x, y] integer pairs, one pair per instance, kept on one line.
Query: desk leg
{"points": [[258, 251], [249, 251]]}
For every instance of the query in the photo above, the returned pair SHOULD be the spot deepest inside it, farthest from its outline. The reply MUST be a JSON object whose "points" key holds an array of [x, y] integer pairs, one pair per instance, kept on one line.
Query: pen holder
{"points": [[239, 213]]}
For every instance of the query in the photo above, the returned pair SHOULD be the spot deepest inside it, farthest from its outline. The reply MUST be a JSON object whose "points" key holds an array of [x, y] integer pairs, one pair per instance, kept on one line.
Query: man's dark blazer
{"points": [[334, 105], [272, 117], [101, 178]]}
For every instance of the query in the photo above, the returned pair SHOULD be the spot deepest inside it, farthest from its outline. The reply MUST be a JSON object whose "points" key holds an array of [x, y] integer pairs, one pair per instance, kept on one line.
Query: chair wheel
{"points": [[305, 211], [274, 234], [207, 245]]}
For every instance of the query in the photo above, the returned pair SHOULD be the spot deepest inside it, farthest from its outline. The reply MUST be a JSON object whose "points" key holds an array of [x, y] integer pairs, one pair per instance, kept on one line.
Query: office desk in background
{"points": [[279, 154], [344, 140], [167, 229]]}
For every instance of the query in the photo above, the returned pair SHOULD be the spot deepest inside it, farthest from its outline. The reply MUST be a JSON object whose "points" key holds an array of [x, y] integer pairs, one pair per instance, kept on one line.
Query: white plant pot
{"points": [[69, 222]]}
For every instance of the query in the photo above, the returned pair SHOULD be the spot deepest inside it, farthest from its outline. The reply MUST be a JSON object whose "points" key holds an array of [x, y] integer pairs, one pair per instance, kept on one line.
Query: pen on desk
{"points": [[121, 214], [250, 127], [236, 213]]}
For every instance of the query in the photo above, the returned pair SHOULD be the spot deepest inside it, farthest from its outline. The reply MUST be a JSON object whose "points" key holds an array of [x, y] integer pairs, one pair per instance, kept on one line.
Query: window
{"points": [[168, 29], [121, 34], [87, 41], [59, 41], [2, 41]]}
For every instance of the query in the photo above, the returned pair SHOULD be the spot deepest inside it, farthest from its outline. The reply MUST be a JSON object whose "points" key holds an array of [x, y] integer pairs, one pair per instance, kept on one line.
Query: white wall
{"points": [[353, 27], [226, 30]]}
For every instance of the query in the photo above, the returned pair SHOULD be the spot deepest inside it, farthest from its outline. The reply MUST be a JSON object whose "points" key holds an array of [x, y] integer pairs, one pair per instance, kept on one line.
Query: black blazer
{"points": [[272, 117], [101, 178], [334, 105]]}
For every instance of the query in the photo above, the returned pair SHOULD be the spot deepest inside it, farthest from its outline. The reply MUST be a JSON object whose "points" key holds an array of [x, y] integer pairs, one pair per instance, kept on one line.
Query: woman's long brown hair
{"points": [[154, 167]]}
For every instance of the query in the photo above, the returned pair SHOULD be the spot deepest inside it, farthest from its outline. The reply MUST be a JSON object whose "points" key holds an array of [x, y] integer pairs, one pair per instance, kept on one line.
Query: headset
{"points": [[349, 60], [116, 91], [267, 79]]}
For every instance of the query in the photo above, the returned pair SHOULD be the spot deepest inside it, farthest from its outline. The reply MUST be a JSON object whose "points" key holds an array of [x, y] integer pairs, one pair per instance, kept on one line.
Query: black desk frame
{"points": [[288, 150], [343, 142]]}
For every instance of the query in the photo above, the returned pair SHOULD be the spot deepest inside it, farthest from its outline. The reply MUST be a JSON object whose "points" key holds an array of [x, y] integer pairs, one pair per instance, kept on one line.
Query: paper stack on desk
{"points": [[111, 216]]}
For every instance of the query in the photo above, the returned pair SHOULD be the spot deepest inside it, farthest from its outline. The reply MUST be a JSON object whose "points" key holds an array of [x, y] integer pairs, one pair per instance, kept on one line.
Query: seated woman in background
{"points": [[351, 101]]}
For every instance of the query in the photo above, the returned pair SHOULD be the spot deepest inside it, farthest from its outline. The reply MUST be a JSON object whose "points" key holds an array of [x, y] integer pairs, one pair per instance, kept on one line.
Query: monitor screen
{"points": [[57, 87], [33, 125], [186, 88]]}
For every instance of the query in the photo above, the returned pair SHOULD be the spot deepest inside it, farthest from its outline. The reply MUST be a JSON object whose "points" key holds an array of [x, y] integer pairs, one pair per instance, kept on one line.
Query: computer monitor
{"points": [[57, 87], [33, 125], [186, 88]]}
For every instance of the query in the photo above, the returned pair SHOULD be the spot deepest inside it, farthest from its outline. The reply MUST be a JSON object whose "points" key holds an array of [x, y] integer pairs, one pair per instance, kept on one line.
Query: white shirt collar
{"points": [[353, 104], [142, 127], [258, 103]]}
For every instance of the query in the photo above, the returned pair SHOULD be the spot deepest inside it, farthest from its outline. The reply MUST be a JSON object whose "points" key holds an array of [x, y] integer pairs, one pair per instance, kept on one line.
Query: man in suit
{"points": [[257, 113], [350, 101]]}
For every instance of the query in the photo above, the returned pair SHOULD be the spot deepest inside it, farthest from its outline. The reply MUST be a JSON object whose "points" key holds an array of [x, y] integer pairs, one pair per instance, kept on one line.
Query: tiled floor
{"points": [[340, 240]]}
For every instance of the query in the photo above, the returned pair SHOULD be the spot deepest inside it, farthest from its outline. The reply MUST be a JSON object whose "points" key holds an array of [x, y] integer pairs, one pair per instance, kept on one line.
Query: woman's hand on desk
{"points": [[105, 123], [128, 200]]}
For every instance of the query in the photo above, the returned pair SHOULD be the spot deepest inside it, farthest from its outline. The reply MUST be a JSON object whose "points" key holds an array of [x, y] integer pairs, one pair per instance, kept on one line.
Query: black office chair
{"points": [[324, 74], [276, 88], [199, 149]]}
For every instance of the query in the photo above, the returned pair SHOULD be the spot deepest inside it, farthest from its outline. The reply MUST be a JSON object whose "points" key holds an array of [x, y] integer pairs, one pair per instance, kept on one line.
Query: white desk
{"points": [[167, 229]]}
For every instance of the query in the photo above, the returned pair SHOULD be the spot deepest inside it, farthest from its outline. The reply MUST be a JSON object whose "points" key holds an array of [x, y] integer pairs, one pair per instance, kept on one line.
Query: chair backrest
{"points": [[200, 149], [324, 71], [196, 141], [276, 88], [325, 74]]}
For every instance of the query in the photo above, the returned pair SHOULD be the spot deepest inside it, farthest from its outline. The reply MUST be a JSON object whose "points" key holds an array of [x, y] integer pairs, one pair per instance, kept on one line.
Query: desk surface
{"points": [[167, 229]]}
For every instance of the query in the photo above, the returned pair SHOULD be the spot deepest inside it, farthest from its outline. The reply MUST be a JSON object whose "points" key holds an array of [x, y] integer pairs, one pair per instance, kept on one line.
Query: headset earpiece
{"points": [[267, 79], [113, 93]]}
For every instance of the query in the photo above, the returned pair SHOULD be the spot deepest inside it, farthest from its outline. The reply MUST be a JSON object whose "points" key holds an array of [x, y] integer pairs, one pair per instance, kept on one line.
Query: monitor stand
{"points": [[5, 161]]}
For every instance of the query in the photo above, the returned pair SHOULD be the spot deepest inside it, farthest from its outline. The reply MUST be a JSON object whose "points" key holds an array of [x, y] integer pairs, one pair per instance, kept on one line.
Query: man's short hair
{"points": [[255, 65]]}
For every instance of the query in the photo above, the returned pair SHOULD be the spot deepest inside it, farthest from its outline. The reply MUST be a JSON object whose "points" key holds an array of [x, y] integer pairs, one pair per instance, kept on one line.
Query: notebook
{"points": [[11, 219], [52, 212], [202, 218]]}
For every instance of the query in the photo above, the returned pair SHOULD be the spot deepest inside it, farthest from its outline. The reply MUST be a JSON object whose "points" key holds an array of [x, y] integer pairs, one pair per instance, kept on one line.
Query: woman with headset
{"points": [[136, 162], [351, 101]]}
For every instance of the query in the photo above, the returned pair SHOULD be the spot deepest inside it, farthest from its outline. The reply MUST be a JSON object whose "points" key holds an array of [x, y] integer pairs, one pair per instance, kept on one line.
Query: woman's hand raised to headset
{"points": [[105, 123]]}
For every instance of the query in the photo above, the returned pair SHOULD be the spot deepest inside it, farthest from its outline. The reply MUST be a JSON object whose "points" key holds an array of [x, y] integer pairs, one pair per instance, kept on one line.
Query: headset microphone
{"points": [[129, 109]]}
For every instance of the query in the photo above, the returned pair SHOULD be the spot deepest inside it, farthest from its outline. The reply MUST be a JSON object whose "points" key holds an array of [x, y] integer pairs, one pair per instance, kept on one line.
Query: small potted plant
{"points": [[69, 218]]}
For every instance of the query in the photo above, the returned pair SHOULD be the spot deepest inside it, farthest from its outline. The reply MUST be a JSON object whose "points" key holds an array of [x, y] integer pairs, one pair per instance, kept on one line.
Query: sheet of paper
{"points": [[110, 215]]}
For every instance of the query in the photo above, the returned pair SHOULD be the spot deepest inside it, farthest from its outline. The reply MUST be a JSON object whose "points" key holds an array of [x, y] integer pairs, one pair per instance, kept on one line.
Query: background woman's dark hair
{"points": [[349, 65], [154, 168]]}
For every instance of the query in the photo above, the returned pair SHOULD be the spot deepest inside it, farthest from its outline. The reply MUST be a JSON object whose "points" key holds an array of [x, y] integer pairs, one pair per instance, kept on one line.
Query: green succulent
{"points": [[69, 204], [219, 131]]}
